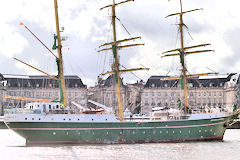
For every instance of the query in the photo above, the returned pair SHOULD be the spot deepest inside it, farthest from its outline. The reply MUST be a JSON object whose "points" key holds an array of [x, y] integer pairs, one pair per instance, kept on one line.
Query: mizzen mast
{"points": [[114, 47], [182, 53]]}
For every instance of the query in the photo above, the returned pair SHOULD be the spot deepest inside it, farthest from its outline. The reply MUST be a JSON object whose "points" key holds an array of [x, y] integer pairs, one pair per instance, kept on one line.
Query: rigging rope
{"points": [[123, 26]]}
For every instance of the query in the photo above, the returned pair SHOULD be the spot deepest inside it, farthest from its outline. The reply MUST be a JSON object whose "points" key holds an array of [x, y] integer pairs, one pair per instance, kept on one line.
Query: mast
{"points": [[60, 59], [182, 54], [60, 76], [116, 63], [114, 46]]}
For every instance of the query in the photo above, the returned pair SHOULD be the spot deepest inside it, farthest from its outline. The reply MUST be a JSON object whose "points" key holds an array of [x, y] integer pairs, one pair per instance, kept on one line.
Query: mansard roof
{"points": [[108, 82], [202, 81], [40, 81]]}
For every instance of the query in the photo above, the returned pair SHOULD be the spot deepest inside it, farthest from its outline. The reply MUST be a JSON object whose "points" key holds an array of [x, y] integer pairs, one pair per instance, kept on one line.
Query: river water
{"points": [[13, 147]]}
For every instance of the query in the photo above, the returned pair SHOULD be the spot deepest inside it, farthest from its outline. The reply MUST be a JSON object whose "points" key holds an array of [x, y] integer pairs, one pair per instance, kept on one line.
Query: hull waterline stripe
{"points": [[117, 128], [126, 142]]}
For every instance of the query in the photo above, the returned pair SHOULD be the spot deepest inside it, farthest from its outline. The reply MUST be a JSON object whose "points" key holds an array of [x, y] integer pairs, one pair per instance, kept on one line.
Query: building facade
{"points": [[105, 92], [3, 84], [205, 91], [43, 87]]}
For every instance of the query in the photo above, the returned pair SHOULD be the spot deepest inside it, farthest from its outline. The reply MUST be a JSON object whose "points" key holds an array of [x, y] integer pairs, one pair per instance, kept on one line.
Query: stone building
{"points": [[105, 92], [3, 84], [43, 87], [203, 91]]}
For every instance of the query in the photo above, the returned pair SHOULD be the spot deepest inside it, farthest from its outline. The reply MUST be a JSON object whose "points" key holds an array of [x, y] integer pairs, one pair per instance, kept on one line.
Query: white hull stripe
{"points": [[202, 125]]}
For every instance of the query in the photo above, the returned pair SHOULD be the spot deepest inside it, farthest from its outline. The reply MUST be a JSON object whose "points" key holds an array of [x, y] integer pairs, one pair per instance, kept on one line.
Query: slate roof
{"points": [[71, 81], [108, 82], [155, 81]]}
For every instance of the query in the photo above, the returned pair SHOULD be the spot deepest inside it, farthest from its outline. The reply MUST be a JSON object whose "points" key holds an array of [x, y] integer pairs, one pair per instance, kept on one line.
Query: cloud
{"points": [[87, 27], [12, 43]]}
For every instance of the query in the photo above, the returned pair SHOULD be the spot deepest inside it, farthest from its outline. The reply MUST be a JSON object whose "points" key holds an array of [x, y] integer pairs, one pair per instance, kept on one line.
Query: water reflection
{"points": [[13, 147]]}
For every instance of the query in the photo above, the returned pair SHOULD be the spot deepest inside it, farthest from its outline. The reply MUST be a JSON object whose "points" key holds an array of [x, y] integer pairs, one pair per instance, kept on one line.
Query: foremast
{"points": [[182, 53], [59, 60], [116, 71]]}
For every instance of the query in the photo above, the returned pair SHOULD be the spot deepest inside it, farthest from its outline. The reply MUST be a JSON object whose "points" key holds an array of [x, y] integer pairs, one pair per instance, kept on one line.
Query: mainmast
{"points": [[182, 54], [116, 71], [60, 59], [116, 62], [182, 59]]}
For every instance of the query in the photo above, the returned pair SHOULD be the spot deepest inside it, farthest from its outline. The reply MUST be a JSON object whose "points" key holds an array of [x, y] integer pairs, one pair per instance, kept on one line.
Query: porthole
{"points": [[166, 131], [106, 119], [143, 132], [25, 118], [200, 131], [78, 119], [69, 119], [92, 119], [32, 118], [180, 131], [54, 133], [64, 119], [172, 131], [66, 133], [39, 119], [160, 131]]}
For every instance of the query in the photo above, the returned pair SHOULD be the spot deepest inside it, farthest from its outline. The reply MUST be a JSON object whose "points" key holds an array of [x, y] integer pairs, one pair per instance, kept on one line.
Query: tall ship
{"points": [[53, 122]]}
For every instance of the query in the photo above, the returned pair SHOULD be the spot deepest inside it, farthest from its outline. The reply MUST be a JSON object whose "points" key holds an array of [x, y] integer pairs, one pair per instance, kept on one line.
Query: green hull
{"points": [[121, 132]]}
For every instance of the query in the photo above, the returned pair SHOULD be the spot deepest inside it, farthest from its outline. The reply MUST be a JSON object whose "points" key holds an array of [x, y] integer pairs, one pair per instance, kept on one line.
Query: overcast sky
{"points": [[86, 27]]}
